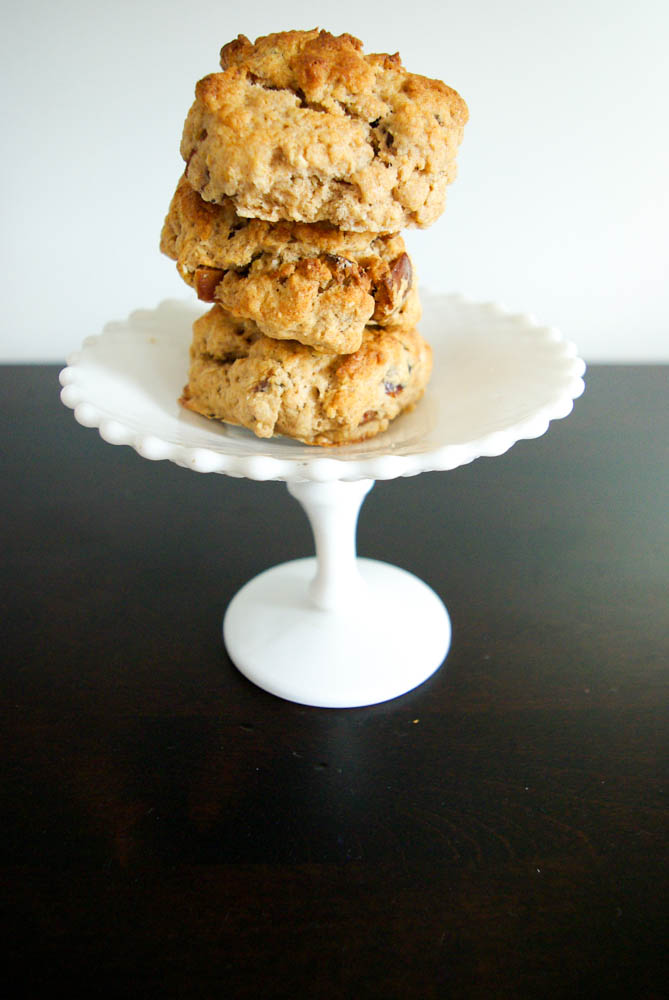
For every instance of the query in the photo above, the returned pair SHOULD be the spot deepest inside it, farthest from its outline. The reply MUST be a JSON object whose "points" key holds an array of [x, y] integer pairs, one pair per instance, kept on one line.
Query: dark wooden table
{"points": [[171, 831]]}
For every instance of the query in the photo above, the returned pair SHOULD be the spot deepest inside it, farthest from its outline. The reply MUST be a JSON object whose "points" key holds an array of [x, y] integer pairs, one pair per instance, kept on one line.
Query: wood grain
{"points": [[169, 829]]}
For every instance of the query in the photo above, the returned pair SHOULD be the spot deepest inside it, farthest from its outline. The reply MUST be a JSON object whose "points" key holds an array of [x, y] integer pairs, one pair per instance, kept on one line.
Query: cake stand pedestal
{"points": [[334, 630]]}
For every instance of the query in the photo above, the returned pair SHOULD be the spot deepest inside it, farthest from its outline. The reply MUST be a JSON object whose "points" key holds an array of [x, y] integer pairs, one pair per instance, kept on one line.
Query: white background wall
{"points": [[560, 208]]}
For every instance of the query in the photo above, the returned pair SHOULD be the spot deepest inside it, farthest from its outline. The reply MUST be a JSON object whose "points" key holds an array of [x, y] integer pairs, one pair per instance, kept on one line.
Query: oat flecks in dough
{"points": [[242, 377], [302, 125]]}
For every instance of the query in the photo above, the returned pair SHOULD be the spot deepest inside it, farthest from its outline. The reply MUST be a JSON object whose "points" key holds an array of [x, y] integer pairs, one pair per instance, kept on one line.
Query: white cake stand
{"points": [[334, 630]]}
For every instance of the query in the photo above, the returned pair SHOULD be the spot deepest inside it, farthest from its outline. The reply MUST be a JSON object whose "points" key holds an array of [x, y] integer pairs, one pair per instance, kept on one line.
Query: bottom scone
{"points": [[281, 387]]}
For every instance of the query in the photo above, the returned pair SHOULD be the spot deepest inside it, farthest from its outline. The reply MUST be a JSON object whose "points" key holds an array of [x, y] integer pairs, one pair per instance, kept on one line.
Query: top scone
{"points": [[302, 126]]}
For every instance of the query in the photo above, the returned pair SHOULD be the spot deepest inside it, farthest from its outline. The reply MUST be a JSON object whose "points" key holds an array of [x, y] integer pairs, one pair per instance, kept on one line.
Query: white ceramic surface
{"points": [[497, 378], [388, 641], [334, 631]]}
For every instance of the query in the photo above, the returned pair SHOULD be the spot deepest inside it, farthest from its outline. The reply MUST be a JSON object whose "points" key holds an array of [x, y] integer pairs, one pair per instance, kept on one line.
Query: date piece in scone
{"points": [[302, 125], [239, 376], [298, 281]]}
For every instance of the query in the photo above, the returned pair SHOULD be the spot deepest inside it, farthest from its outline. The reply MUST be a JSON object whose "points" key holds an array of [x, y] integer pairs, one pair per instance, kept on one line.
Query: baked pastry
{"points": [[302, 125], [298, 281], [242, 377]]}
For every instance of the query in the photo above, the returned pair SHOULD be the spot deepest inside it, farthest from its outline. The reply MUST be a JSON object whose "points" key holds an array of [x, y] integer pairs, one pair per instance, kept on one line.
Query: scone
{"points": [[242, 377], [303, 126], [297, 281]]}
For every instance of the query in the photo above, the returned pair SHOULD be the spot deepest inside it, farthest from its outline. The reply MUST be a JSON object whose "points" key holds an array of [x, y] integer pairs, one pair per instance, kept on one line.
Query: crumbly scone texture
{"points": [[239, 376], [302, 125], [308, 282]]}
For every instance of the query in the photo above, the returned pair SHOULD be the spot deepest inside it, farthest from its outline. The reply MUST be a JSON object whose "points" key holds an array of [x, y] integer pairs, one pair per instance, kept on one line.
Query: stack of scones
{"points": [[304, 160]]}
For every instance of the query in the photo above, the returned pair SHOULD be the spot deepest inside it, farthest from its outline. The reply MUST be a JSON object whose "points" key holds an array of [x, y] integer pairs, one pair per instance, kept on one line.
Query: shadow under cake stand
{"points": [[335, 630]]}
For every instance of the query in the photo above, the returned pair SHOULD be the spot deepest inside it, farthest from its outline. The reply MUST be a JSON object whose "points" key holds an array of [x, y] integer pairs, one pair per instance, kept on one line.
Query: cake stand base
{"points": [[391, 636]]}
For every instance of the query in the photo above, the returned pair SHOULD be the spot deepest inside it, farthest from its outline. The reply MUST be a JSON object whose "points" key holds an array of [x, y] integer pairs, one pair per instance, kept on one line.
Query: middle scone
{"points": [[309, 282]]}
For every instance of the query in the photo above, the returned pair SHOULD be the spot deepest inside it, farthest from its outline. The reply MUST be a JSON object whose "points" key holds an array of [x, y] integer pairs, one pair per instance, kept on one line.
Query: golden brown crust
{"points": [[327, 70], [297, 281], [281, 387], [303, 125]]}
